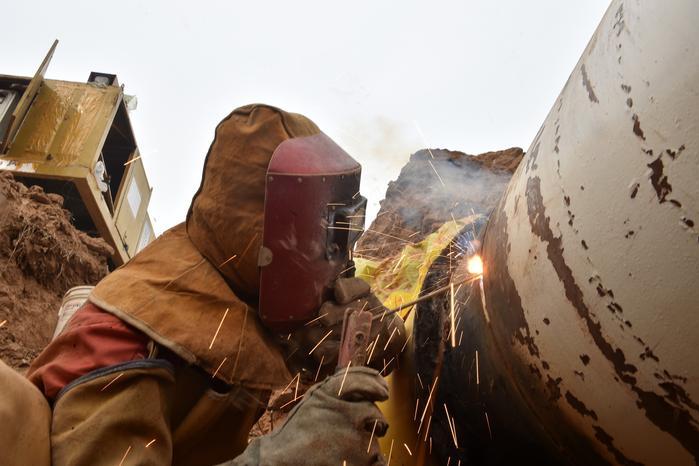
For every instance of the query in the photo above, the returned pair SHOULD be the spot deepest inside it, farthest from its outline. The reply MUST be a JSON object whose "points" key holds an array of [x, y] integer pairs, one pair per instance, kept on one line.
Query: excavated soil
{"points": [[435, 186], [42, 255]]}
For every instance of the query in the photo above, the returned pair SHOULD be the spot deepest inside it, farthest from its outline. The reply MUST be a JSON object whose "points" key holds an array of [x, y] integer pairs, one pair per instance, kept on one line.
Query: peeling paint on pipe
{"points": [[592, 256]]}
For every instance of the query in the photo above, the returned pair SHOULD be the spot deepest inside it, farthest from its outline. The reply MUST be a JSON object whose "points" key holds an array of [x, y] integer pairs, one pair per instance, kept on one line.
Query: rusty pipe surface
{"points": [[592, 255]]}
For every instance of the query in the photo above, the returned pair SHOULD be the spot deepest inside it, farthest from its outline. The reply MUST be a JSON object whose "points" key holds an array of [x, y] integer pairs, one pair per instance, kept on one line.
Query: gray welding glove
{"points": [[336, 421], [321, 339]]}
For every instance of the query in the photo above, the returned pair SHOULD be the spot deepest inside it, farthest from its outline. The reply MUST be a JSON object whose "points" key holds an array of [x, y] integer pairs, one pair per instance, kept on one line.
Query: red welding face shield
{"points": [[313, 216]]}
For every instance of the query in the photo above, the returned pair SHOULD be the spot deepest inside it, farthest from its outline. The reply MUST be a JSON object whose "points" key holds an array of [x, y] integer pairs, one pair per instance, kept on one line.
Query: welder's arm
{"points": [[336, 421]]}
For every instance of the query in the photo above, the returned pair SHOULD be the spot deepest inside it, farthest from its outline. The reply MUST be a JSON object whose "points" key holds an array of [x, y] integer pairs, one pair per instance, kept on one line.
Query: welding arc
{"points": [[429, 295]]}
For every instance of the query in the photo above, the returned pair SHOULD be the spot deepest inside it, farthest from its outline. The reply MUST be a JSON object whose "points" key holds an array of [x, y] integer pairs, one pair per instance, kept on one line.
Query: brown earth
{"points": [[435, 186], [42, 255]]}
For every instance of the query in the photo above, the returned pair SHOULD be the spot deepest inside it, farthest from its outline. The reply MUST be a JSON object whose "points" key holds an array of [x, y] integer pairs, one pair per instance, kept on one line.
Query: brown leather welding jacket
{"points": [[194, 289]]}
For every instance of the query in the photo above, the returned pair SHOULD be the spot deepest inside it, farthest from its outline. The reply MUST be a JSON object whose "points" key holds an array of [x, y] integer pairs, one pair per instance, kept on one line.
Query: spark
{"points": [[427, 405], [485, 309], [371, 231], [419, 379], [298, 374], [453, 329], [296, 398], [3, 323], [406, 447], [372, 435], [343, 379], [435, 172], [417, 403], [132, 160], [390, 452], [249, 244], [322, 358], [386, 365], [228, 260], [406, 343], [320, 342], [219, 367], [452, 427], [336, 203], [474, 265], [373, 347], [219, 328], [112, 381], [296, 390], [385, 347], [125, 454], [487, 420], [478, 374], [150, 443], [424, 139]]}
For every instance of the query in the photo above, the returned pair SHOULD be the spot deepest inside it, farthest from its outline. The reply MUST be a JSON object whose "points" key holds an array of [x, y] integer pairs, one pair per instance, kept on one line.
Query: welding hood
{"points": [[313, 216]]}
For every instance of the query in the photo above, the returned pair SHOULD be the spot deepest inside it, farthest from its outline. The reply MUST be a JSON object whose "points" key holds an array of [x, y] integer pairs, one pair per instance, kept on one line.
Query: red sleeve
{"points": [[92, 339]]}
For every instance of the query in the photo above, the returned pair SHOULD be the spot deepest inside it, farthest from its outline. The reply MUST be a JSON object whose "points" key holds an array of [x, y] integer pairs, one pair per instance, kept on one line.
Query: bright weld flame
{"points": [[475, 265]]}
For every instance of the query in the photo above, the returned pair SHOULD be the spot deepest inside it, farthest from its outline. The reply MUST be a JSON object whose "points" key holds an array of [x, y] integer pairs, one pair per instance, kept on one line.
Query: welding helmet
{"points": [[313, 216]]}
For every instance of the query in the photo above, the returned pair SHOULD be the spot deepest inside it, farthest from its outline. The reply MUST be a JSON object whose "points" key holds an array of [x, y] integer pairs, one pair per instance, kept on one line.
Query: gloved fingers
{"points": [[350, 289], [357, 383]]}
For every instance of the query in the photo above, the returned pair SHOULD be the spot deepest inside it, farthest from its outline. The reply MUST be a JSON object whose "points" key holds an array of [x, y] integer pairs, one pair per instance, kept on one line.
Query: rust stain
{"points": [[626, 88], [634, 190], [588, 86], [667, 416], [608, 442], [637, 127], [579, 406], [659, 180]]}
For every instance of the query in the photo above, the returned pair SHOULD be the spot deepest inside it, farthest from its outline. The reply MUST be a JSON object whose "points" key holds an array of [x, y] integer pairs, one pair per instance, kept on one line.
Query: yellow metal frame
{"points": [[62, 137]]}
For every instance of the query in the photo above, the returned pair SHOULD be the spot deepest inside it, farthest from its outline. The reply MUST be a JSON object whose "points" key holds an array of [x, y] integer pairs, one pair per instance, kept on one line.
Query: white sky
{"points": [[381, 78]]}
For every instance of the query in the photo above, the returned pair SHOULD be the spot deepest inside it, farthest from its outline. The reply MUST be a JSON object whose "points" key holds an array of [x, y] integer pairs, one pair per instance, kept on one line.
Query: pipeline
{"points": [[580, 345]]}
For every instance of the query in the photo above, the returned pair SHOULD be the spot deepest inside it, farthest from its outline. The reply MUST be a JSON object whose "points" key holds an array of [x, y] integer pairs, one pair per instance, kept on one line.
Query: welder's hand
{"points": [[321, 339], [336, 421]]}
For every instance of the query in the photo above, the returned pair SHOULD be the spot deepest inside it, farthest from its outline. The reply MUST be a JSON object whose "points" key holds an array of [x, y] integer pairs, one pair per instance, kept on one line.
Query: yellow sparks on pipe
{"points": [[485, 309], [219, 367], [125, 454], [150, 443], [427, 405], [474, 265], [219, 328], [343, 379], [452, 427], [435, 172], [406, 447], [320, 342], [390, 453], [112, 381], [453, 328], [372, 435]]}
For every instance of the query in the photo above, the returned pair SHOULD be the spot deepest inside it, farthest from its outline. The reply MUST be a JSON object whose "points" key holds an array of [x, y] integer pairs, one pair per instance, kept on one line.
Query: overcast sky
{"points": [[381, 78]]}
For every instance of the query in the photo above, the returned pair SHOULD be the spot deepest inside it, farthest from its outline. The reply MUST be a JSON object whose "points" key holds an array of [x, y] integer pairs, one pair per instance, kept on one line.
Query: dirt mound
{"points": [[42, 255], [435, 186]]}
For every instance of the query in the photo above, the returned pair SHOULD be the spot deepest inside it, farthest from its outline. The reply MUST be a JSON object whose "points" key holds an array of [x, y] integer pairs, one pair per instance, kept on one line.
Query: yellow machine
{"points": [[75, 139]]}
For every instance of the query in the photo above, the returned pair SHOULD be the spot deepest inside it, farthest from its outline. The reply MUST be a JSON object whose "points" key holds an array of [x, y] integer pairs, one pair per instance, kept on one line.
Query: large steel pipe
{"points": [[588, 327], [592, 257]]}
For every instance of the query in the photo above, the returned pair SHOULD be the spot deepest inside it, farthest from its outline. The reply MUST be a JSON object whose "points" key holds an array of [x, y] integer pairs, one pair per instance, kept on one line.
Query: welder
{"points": [[173, 357]]}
